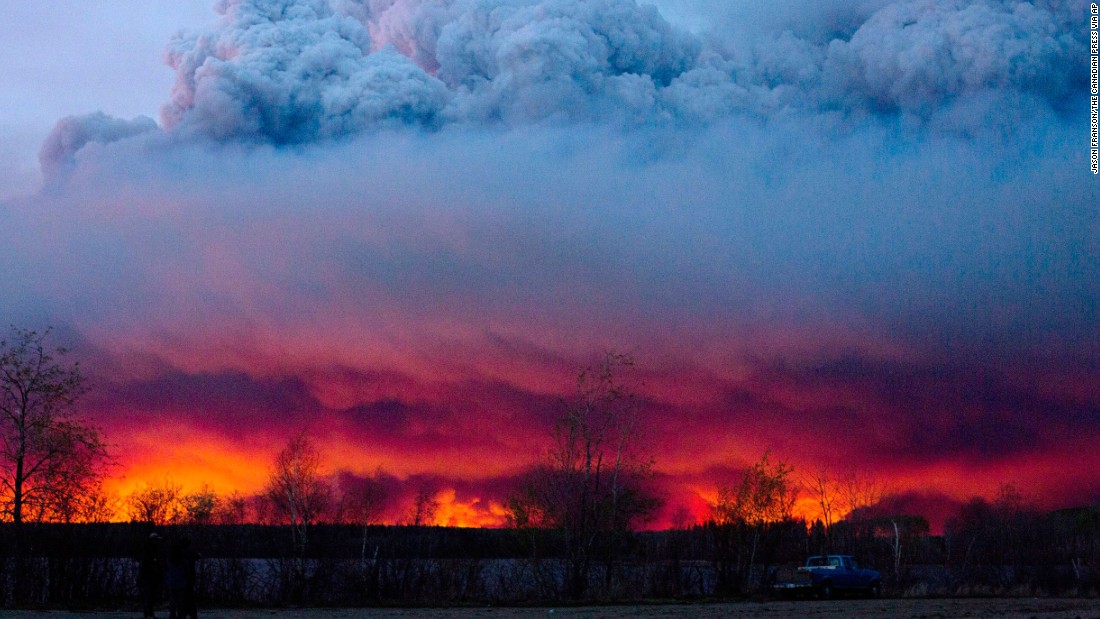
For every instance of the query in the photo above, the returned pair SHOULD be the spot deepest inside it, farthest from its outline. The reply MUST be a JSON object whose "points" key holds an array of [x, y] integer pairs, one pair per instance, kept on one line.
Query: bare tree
{"points": [[595, 482], [98, 507], [763, 497], [362, 501], [861, 499], [233, 509], [682, 518], [860, 493], [764, 494], [159, 502], [92, 505], [71, 490], [425, 507], [200, 506], [825, 490], [296, 486], [48, 455]]}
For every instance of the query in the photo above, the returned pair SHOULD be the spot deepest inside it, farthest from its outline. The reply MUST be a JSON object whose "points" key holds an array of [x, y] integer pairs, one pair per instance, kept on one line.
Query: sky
{"points": [[860, 235]]}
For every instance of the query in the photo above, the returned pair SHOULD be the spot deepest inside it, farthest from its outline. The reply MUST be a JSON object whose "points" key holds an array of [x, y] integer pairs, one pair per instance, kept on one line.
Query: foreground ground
{"points": [[1018, 608]]}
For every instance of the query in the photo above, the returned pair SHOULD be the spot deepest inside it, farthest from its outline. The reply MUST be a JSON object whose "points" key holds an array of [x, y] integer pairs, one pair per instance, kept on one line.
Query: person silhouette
{"points": [[151, 573], [180, 578]]}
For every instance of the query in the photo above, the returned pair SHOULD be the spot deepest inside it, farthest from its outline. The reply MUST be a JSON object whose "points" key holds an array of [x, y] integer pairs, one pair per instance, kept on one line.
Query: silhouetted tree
{"points": [[682, 519], [763, 497], [48, 455], [861, 494], [200, 506], [233, 509], [825, 491], [73, 493], [159, 503], [362, 501], [94, 505], [594, 484], [424, 507], [861, 501], [991, 542], [296, 486]]}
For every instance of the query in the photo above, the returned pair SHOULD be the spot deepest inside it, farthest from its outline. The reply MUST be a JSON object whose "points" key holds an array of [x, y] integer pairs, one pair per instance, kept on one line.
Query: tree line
{"points": [[994, 548]]}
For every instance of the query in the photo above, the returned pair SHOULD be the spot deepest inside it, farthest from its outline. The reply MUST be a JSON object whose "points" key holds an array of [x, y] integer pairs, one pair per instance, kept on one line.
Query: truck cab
{"points": [[827, 575]]}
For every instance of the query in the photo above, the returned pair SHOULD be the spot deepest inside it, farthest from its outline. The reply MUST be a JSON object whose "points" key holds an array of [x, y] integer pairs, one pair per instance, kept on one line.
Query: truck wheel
{"points": [[826, 590], [875, 590]]}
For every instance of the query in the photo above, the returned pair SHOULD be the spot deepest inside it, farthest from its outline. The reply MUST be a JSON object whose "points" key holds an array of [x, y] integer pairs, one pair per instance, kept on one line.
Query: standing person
{"points": [[151, 574], [181, 581]]}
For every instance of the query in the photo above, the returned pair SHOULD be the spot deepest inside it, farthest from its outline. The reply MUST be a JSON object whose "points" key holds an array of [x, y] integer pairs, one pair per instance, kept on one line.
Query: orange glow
{"points": [[196, 460], [467, 419], [471, 513], [192, 460], [805, 506]]}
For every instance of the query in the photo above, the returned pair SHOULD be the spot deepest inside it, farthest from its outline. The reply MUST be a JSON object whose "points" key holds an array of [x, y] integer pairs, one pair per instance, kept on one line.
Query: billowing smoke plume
{"points": [[300, 71], [75, 132], [292, 72], [915, 56]]}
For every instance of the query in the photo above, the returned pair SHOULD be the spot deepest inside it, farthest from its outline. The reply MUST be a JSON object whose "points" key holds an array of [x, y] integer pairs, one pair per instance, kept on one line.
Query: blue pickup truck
{"points": [[829, 575]]}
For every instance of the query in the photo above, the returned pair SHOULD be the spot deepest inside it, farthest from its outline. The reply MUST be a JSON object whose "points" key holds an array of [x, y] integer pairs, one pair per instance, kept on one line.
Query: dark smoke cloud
{"points": [[913, 56], [294, 72]]}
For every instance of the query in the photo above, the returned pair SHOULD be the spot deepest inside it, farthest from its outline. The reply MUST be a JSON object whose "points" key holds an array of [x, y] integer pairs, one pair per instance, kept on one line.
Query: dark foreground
{"points": [[1016, 608]]}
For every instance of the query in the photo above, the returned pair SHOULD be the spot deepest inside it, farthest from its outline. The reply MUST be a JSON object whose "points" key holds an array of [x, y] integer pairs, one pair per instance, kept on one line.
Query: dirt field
{"points": [[1025, 608]]}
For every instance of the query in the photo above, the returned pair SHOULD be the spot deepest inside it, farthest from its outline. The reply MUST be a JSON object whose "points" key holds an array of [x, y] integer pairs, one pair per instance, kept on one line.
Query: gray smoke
{"points": [[303, 71], [73, 133], [916, 56], [292, 72]]}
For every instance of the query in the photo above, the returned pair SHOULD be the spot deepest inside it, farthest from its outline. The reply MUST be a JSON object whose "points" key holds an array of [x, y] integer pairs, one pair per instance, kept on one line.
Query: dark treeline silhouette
{"points": [[991, 548]]}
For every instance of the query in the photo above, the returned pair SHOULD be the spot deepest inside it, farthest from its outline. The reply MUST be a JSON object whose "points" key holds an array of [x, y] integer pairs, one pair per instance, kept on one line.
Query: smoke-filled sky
{"points": [[862, 235]]}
